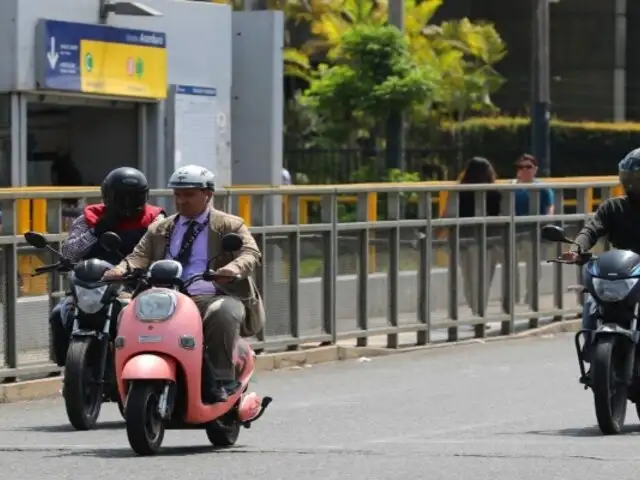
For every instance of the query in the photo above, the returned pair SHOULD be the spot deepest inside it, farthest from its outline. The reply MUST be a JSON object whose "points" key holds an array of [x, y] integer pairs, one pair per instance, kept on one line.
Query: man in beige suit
{"points": [[192, 236]]}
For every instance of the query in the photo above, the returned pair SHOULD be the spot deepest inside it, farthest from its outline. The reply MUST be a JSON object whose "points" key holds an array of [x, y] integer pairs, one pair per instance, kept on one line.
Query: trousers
{"points": [[222, 316], [61, 326], [470, 269]]}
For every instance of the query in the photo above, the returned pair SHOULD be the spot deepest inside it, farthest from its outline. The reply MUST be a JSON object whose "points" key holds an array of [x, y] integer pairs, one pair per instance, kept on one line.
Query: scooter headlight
{"points": [[155, 306], [613, 290]]}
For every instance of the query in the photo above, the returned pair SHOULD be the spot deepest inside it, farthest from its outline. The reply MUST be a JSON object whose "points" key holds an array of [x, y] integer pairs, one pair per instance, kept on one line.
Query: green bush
{"points": [[577, 148]]}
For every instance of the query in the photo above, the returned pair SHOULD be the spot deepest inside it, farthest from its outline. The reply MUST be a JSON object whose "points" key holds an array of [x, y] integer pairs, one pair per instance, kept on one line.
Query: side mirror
{"points": [[36, 239], [110, 241], [232, 242], [553, 233]]}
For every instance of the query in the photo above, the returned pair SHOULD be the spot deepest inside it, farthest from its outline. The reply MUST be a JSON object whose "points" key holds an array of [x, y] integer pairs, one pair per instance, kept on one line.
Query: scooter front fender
{"points": [[149, 366]]}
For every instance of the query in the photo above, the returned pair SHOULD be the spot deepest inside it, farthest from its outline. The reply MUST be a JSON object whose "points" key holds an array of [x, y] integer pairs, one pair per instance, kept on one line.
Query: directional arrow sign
{"points": [[52, 55]]}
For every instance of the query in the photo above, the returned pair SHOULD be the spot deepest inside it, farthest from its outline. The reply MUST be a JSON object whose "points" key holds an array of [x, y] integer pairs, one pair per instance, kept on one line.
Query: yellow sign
{"points": [[120, 69]]}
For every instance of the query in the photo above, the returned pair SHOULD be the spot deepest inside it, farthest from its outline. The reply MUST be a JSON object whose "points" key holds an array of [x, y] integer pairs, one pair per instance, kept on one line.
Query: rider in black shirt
{"points": [[618, 219]]}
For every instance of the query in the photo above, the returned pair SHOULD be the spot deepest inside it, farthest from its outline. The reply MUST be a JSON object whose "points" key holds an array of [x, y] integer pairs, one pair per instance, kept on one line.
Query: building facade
{"points": [[594, 67]]}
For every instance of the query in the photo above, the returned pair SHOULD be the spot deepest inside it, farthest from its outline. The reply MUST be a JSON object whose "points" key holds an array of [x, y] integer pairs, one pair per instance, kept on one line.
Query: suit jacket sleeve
{"points": [[247, 259]]}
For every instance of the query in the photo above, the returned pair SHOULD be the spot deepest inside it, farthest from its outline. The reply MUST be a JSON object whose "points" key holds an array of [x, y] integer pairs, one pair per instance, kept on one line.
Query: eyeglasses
{"points": [[526, 166]]}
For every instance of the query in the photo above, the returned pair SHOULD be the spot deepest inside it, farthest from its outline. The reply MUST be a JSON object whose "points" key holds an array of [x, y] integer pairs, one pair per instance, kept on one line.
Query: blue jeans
{"points": [[61, 326]]}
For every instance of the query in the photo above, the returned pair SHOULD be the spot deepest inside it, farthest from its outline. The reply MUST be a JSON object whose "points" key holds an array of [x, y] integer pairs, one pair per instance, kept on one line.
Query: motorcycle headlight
{"points": [[89, 300], [613, 290], [155, 306]]}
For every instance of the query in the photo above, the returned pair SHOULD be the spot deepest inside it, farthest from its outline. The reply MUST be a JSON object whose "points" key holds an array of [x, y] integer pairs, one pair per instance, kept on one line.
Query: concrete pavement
{"points": [[494, 411]]}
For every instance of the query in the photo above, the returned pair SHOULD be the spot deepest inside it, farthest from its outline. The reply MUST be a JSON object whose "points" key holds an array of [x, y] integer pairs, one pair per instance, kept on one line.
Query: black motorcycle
{"points": [[89, 374], [612, 279]]}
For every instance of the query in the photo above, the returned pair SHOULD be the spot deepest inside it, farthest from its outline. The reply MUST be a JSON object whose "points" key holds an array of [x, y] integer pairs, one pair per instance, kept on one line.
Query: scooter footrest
{"points": [[263, 406]]}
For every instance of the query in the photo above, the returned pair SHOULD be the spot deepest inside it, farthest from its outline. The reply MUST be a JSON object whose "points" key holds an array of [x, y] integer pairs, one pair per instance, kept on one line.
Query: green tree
{"points": [[464, 53], [373, 72]]}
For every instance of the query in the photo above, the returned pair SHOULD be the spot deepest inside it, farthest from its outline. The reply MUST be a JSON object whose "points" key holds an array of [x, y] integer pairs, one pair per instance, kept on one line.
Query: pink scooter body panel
{"points": [[162, 340]]}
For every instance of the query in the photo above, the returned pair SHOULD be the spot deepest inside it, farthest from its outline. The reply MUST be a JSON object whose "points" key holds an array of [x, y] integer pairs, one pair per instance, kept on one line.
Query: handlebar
{"points": [[564, 262], [580, 260], [45, 268], [62, 266], [208, 275], [133, 275]]}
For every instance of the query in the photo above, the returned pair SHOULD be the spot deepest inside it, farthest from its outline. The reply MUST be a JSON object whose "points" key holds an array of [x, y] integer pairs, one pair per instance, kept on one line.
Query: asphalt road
{"points": [[506, 410]]}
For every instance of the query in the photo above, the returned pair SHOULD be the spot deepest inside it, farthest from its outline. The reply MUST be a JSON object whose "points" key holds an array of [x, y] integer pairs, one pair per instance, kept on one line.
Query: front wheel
{"points": [[609, 389], [145, 428], [82, 390]]}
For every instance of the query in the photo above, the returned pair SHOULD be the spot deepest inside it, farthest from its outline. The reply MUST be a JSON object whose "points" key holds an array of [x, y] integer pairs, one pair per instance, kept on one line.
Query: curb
{"points": [[51, 387]]}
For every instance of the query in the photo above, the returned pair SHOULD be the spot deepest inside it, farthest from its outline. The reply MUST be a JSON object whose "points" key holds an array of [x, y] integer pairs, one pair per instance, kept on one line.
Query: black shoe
{"points": [[231, 386], [221, 392], [215, 395]]}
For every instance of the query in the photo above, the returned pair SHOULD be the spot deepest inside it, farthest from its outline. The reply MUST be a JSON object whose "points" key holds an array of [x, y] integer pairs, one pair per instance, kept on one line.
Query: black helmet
{"points": [[125, 191], [629, 172]]}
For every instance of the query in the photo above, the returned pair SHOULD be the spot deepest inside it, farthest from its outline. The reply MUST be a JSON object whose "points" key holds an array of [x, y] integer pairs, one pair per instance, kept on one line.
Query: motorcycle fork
{"points": [[103, 339], [631, 354]]}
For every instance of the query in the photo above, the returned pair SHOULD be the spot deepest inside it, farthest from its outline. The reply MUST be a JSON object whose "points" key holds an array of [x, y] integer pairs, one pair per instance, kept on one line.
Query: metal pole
{"points": [[540, 114], [620, 68], [103, 12], [395, 123]]}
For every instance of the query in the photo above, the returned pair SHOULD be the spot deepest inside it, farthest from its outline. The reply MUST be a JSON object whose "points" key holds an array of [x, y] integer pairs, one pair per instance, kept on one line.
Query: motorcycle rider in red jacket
{"points": [[124, 211]]}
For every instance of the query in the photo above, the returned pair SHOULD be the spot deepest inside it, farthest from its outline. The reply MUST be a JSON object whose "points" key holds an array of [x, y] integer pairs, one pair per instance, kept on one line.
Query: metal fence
{"points": [[363, 281], [354, 165]]}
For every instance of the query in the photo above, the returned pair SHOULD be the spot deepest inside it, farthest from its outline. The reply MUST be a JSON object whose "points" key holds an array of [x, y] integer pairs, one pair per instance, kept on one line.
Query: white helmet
{"points": [[192, 176]]}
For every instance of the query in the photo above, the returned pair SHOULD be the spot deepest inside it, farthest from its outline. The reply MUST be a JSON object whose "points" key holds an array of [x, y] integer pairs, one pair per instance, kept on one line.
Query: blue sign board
{"points": [[200, 91], [64, 64]]}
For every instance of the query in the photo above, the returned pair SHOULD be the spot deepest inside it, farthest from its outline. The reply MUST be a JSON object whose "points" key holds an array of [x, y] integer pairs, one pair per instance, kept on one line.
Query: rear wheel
{"points": [[145, 428], [82, 390], [224, 432], [609, 390]]}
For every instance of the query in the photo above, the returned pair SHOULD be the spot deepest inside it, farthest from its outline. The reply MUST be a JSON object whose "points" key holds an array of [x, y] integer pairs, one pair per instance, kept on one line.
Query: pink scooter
{"points": [[159, 361]]}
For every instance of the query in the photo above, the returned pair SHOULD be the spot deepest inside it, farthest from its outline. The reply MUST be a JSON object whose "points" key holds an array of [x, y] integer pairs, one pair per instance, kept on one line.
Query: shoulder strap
{"points": [[168, 234]]}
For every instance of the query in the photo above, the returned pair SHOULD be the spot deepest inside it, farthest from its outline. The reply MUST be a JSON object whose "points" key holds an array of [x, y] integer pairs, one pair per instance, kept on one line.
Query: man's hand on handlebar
{"points": [[226, 274], [112, 274], [569, 256]]}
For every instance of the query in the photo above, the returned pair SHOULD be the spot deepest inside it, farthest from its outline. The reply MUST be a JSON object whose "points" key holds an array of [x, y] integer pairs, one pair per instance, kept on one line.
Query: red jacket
{"points": [[130, 231], [93, 214]]}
